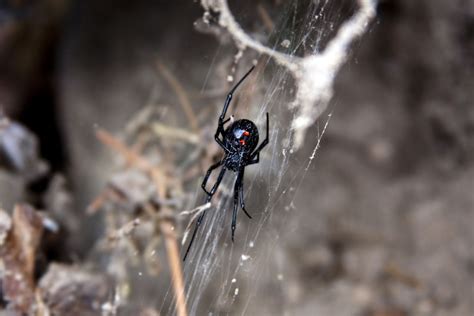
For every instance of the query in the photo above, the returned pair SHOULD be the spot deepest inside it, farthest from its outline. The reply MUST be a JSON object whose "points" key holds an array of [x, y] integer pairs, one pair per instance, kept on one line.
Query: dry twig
{"points": [[267, 21], [181, 94]]}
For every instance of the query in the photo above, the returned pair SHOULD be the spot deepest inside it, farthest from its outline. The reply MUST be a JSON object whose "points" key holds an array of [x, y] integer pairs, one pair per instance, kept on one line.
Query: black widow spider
{"points": [[238, 141]]}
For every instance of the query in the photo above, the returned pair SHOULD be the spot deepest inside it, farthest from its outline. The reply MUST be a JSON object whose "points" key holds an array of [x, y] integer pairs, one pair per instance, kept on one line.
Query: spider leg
{"points": [[241, 189], [209, 197], [236, 202], [216, 185], [227, 120], [208, 174], [196, 227], [220, 130], [221, 122], [263, 144], [255, 160], [238, 189], [231, 93]]}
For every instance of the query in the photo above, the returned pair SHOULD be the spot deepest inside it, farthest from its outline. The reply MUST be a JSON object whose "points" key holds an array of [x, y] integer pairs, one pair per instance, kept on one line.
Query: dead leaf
{"points": [[17, 256], [70, 290]]}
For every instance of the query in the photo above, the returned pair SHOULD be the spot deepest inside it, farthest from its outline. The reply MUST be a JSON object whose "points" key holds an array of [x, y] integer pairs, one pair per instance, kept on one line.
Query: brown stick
{"points": [[171, 245], [175, 265], [131, 156], [267, 21], [181, 94]]}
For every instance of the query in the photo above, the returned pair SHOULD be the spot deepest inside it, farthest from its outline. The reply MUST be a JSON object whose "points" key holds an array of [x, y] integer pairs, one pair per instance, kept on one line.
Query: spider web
{"points": [[222, 277]]}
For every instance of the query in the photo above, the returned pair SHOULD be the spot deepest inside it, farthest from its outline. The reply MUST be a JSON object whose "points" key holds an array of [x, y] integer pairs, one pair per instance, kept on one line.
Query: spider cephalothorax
{"points": [[239, 142]]}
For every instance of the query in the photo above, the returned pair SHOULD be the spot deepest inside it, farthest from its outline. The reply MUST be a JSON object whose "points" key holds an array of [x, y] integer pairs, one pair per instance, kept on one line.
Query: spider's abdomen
{"points": [[241, 136]]}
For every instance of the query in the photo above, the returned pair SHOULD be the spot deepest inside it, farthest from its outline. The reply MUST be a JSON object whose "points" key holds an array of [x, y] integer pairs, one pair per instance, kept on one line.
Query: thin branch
{"points": [[267, 21], [181, 94], [107, 194], [171, 246]]}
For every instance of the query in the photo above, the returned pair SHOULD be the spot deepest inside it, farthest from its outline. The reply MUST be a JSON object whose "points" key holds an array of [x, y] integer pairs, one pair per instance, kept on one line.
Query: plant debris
{"points": [[17, 255]]}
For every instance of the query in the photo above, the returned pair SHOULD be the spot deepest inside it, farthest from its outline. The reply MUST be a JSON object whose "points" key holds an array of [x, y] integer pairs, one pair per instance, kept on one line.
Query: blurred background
{"points": [[378, 223]]}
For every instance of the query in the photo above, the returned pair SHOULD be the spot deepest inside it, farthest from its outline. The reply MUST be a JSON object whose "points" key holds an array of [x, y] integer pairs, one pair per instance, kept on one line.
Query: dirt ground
{"points": [[380, 224]]}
